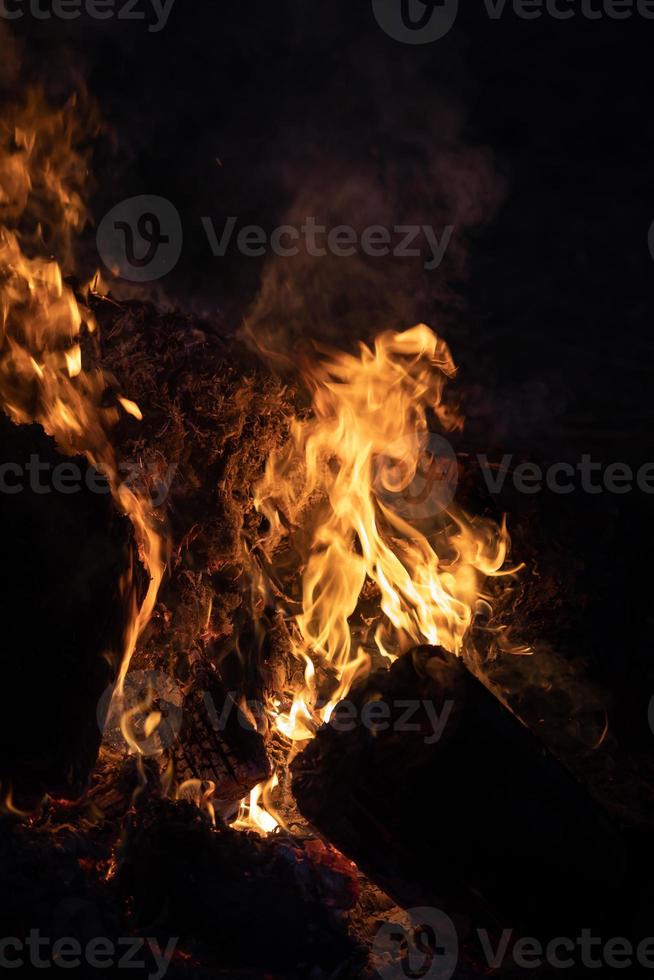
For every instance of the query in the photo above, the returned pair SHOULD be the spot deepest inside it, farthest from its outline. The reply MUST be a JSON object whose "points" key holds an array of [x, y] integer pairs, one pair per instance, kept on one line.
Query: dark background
{"points": [[534, 138]]}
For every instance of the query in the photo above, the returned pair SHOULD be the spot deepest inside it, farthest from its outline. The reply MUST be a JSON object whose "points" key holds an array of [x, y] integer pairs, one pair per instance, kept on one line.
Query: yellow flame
{"points": [[131, 408], [255, 811], [152, 722], [74, 361], [327, 477]]}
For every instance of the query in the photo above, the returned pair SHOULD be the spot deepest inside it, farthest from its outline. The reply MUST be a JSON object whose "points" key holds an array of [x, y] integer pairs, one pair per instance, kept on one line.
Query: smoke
{"points": [[446, 186], [388, 152], [315, 114]]}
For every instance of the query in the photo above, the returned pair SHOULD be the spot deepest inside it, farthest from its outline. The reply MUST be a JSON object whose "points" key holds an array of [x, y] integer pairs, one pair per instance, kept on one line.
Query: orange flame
{"points": [[43, 377]]}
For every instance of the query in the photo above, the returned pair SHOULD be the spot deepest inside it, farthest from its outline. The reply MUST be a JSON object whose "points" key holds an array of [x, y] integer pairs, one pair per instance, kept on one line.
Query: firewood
{"points": [[217, 743], [481, 818]]}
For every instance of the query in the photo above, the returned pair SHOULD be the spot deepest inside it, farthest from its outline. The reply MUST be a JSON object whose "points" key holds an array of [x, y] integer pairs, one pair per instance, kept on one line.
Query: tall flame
{"points": [[43, 377], [368, 432]]}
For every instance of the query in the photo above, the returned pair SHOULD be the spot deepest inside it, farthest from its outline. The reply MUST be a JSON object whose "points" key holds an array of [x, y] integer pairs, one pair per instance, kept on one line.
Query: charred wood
{"points": [[477, 816], [217, 743]]}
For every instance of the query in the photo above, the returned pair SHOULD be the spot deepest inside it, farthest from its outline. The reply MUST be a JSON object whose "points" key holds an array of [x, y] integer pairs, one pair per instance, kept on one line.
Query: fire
{"points": [[328, 495], [200, 794], [256, 811], [43, 325], [367, 435]]}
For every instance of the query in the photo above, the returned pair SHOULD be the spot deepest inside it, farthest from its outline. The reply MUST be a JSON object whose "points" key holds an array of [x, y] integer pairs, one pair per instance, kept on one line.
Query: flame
{"points": [[43, 374], [326, 495], [256, 811], [199, 793], [370, 408], [7, 805], [131, 408]]}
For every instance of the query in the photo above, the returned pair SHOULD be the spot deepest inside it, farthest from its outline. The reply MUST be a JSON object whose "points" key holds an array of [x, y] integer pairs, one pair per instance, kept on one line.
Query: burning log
{"points": [[246, 901], [66, 550], [450, 801]]}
